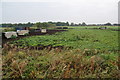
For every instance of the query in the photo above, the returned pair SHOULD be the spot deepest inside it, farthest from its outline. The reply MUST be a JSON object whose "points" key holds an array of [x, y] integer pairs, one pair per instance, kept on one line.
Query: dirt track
{"points": [[50, 32]]}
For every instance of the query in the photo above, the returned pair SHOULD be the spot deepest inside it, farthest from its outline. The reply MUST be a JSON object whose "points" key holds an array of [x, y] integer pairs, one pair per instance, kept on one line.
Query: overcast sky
{"points": [[89, 11]]}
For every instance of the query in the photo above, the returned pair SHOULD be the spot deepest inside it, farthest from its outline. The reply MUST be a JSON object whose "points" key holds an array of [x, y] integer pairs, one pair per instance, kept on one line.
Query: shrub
{"points": [[26, 34], [59, 28], [54, 64], [13, 36], [65, 27]]}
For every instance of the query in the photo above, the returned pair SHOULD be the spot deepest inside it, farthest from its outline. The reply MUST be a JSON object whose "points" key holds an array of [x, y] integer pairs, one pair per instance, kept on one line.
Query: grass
{"points": [[58, 64], [111, 27], [75, 38], [76, 53]]}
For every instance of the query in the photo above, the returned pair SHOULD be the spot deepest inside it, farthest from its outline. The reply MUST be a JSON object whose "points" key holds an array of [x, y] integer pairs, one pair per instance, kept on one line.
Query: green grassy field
{"points": [[75, 38], [85, 53], [113, 27]]}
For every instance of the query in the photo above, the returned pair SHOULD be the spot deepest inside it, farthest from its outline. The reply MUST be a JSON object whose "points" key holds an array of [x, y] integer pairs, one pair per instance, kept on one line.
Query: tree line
{"points": [[53, 24], [17, 24]]}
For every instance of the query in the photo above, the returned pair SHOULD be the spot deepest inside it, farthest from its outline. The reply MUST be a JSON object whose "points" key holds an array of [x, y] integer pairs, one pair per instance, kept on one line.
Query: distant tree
{"points": [[44, 25], [67, 23], [39, 25], [76, 24], [17, 24], [58, 24], [79, 24], [72, 24], [108, 24], [83, 24], [20, 24], [115, 24], [7, 25], [51, 22], [29, 24], [51, 25]]}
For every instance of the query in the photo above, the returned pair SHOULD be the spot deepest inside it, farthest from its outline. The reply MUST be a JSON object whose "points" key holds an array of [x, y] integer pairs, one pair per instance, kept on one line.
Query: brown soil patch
{"points": [[33, 33]]}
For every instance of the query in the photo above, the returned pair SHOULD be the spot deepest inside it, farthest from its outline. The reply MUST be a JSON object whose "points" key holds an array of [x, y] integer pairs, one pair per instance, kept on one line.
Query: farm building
{"points": [[43, 30], [22, 28], [10, 34], [22, 32]]}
